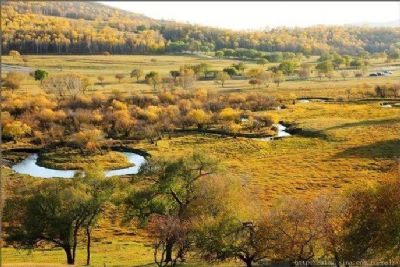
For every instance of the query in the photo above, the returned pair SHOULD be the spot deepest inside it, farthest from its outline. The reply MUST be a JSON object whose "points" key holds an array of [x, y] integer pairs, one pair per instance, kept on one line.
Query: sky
{"points": [[260, 15]]}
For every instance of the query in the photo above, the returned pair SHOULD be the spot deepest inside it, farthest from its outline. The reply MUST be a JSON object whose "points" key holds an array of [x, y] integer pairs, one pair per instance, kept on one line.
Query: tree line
{"points": [[66, 112], [81, 28]]}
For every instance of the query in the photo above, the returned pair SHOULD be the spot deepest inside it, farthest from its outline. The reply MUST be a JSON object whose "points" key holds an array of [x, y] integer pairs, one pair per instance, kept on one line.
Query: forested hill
{"points": [[87, 27]]}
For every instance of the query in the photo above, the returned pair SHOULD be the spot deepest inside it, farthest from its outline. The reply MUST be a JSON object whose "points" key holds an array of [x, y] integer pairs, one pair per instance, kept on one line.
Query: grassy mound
{"points": [[67, 159]]}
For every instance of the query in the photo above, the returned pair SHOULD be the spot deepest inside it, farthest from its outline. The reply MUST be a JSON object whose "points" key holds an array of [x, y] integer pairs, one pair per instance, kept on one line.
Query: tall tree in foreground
{"points": [[98, 189], [295, 225], [50, 213], [55, 211], [332, 217], [373, 228], [174, 188], [228, 238]]}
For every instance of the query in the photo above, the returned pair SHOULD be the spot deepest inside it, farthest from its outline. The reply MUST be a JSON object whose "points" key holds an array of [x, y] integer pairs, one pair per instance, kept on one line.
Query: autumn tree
{"points": [[162, 229], [229, 114], [153, 78], [296, 229], [16, 129], [87, 139], [344, 74], [13, 80], [240, 67], [120, 119], [137, 73], [305, 70], [358, 74], [172, 193], [229, 238], [222, 77], [331, 213], [47, 116], [254, 73], [235, 229], [202, 68], [199, 117], [175, 74], [98, 191], [373, 216], [50, 212], [186, 77], [66, 84], [278, 77], [101, 80], [254, 82], [337, 61], [325, 67], [288, 67], [267, 120], [119, 76]]}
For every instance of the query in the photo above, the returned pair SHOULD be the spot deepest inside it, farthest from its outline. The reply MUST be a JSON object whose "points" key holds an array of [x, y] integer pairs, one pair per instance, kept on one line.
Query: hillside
{"points": [[92, 28]]}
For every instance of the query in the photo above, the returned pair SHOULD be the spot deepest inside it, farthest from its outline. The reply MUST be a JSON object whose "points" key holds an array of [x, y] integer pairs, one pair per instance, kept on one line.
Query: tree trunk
{"points": [[70, 257], [337, 260], [88, 236], [168, 250], [248, 262], [75, 243]]}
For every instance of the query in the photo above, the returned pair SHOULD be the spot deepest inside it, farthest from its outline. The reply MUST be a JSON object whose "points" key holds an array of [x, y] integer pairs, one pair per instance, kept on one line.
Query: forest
{"points": [[80, 28]]}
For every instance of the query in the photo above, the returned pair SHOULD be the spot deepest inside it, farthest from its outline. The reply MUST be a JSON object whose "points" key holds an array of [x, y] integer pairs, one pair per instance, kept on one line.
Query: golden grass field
{"points": [[342, 144], [108, 66]]}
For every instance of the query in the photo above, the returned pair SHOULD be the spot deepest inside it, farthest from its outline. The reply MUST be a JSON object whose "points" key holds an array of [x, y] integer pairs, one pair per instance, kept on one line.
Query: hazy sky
{"points": [[256, 15]]}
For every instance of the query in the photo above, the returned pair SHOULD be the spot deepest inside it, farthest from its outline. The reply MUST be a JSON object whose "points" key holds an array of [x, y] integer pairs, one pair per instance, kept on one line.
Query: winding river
{"points": [[29, 166], [280, 132]]}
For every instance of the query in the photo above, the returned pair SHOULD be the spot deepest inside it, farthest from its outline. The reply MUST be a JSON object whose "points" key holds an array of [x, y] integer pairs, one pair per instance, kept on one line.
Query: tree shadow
{"points": [[383, 149], [364, 123], [312, 134]]}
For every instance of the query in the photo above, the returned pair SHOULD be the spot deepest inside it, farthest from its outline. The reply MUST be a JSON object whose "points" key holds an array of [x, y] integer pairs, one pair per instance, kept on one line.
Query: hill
{"points": [[90, 28]]}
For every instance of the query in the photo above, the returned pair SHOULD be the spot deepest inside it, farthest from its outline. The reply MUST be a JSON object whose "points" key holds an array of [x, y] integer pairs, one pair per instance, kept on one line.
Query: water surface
{"points": [[29, 166]]}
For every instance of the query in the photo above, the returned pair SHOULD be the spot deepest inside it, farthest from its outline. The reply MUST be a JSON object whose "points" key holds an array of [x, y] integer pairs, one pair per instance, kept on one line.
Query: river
{"points": [[29, 166]]}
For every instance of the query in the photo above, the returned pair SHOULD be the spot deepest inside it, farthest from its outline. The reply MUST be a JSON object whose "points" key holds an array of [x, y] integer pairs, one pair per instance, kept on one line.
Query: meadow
{"points": [[108, 66], [342, 143]]}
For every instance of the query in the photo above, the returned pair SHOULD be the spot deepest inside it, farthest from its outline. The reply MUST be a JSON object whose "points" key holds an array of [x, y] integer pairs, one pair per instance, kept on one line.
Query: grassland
{"points": [[108, 66], [342, 144]]}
